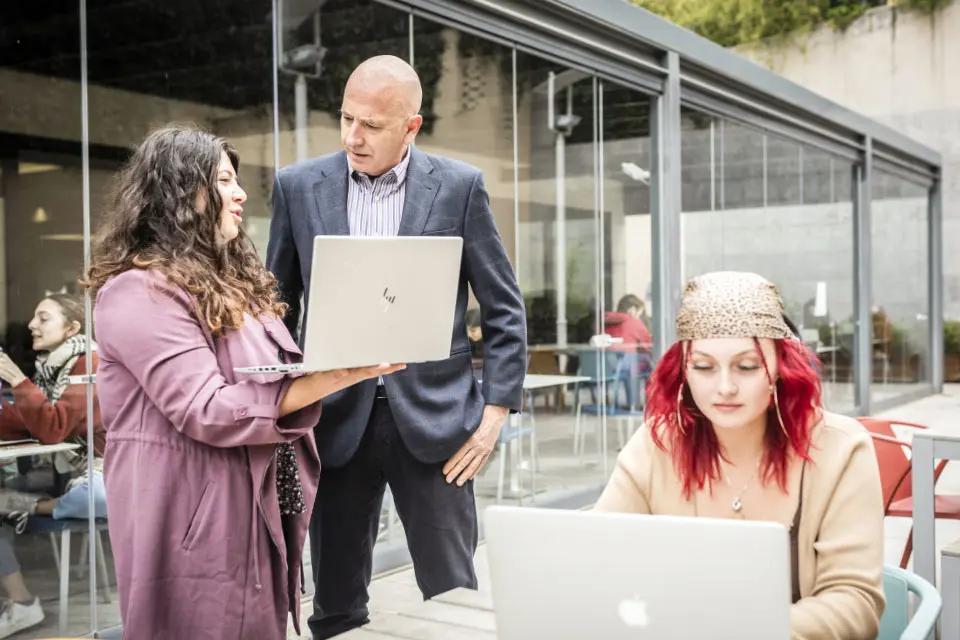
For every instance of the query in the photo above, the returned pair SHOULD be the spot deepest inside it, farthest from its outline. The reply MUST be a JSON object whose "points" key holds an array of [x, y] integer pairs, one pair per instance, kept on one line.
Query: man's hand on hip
{"points": [[466, 462]]}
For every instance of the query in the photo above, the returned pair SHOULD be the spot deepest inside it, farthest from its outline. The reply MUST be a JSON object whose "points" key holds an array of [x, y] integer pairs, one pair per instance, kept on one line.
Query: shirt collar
{"points": [[397, 174]]}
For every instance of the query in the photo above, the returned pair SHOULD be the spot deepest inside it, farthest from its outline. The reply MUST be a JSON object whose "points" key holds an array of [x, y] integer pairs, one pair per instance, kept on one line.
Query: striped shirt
{"points": [[375, 205]]}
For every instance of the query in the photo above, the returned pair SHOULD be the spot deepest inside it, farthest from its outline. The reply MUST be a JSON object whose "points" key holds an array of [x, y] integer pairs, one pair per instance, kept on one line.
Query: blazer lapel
{"points": [[331, 195], [422, 187]]}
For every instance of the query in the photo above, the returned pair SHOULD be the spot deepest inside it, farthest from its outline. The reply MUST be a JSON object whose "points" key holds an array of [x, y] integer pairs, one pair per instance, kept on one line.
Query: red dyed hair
{"points": [[694, 447]]}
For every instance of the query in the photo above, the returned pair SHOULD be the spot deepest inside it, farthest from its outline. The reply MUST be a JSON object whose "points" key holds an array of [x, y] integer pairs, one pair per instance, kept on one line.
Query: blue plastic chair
{"points": [[589, 367], [632, 376], [896, 623], [622, 365]]}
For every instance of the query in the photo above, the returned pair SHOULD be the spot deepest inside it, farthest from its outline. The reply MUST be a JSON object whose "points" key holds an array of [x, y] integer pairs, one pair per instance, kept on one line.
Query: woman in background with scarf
{"points": [[50, 410]]}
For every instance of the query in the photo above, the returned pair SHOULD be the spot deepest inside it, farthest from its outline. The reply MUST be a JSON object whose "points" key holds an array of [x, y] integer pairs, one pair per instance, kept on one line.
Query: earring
{"points": [[776, 404], [680, 417]]}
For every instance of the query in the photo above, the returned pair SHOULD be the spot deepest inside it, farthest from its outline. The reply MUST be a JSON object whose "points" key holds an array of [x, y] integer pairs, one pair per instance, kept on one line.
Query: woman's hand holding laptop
{"points": [[318, 385]]}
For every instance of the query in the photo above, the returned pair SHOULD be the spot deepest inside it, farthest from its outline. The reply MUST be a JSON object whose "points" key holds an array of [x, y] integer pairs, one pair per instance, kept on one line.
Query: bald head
{"points": [[388, 77], [380, 115]]}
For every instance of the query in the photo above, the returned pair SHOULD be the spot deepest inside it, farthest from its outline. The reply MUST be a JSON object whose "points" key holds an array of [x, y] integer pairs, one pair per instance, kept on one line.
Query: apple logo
{"points": [[633, 612]]}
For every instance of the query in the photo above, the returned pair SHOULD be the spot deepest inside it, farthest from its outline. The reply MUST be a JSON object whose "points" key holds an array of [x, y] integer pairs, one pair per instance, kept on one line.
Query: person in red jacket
{"points": [[625, 323], [49, 409]]}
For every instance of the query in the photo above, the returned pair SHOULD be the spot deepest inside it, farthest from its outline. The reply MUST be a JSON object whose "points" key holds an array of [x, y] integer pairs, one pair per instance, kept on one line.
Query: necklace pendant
{"points": [[736, 506]]}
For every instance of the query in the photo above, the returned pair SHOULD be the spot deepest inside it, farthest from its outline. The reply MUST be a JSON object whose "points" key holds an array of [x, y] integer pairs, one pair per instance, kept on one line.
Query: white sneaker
{"points": [[15, 617], [18, 501]]}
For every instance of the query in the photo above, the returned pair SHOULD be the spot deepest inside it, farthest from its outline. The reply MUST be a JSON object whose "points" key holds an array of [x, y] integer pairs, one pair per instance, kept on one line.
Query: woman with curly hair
{"points": [[735, 429], [210, 475]]}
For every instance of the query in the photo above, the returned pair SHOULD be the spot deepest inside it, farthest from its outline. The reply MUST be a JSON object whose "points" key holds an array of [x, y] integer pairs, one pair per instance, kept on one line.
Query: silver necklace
{"points": [[737, 505]]}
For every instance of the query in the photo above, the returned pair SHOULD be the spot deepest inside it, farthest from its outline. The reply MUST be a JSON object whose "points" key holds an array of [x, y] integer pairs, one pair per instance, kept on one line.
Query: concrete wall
{"points": [[900, 68]]}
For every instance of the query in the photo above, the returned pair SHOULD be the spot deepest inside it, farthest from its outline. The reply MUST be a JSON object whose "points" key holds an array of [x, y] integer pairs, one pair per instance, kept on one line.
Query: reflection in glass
{"points": [[41, 258], [760, 191], [626, 250], [559, 255], [322, 43], [468, 110], [625, 223], [900, 307], [206, 63]]}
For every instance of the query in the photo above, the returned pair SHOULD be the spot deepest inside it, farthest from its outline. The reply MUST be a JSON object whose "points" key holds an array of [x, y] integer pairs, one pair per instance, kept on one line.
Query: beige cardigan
{"points": [[840, 544]]}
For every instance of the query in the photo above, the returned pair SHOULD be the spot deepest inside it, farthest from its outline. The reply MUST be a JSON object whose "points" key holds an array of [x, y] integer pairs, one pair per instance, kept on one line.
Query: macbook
{"points": [[581, 575]]}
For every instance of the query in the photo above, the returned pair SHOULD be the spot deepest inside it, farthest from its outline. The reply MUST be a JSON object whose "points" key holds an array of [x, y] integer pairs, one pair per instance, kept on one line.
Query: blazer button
{"points": [[243, 413]]}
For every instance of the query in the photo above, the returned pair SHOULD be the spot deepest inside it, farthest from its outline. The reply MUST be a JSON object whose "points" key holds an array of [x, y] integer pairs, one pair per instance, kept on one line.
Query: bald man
{"points": [[429, 429]]}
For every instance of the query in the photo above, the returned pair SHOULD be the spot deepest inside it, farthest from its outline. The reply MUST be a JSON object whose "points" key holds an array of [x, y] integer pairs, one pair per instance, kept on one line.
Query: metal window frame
{"points": [[666, 206], [935, 281], [694, 72], [862, 279], [736, 73], [542, 34], [634, 48], [757, 116]]}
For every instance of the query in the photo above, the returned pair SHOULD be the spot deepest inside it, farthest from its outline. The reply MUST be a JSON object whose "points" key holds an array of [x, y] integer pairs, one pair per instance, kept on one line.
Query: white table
{"points": [[542, 381], [557, 348], [23, 450], [928, 445]]}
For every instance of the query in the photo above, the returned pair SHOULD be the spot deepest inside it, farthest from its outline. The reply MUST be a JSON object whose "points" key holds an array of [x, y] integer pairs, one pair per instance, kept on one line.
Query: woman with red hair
{"points": [[735, 428]]}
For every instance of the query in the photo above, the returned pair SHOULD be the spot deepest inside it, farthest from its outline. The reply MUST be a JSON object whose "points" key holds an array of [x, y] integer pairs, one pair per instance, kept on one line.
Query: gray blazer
{"points": [[437, 405]]}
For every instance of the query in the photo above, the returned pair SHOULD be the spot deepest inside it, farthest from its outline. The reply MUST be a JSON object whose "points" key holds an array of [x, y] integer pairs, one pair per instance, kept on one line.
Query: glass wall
{"points": [[216, 73], [900, 307], [41, 255], [568, 161], [755, 202], [626, 270], [319, 45], [338, 35], [534, 128]]}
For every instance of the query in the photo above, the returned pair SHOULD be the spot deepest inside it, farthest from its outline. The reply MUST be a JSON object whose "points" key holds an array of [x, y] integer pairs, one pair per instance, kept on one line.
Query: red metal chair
{"points": [[896, 477]]}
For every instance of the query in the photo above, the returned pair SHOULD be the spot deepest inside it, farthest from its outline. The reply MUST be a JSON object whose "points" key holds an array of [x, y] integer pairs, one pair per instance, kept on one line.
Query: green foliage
{"points": [[951, 337], [734, 22]]}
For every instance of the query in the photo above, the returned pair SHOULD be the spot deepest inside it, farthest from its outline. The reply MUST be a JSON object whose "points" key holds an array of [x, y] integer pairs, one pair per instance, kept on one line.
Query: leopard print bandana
{"points": [[731, 304]]}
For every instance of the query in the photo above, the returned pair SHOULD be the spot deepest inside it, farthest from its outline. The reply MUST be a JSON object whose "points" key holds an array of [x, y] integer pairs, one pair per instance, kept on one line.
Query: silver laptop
{"points": [[378, 299], [578, 574]]}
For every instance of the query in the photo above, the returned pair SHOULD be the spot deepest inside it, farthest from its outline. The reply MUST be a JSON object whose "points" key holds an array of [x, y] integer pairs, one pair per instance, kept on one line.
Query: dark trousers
{"points": [[440, 521]]}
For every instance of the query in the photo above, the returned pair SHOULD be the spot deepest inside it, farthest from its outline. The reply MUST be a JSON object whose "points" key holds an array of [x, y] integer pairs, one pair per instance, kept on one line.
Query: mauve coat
{"points": [[199, 546]]}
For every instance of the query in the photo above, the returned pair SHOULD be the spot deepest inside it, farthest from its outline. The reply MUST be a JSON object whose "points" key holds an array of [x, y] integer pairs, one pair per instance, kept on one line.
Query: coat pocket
{"points": [[447, 231], [199, 517]]}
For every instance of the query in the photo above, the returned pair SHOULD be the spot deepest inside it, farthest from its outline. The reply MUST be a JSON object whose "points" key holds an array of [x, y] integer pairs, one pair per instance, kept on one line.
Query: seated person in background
{"points": [[51, 411], [625, 323], [735, 429]]}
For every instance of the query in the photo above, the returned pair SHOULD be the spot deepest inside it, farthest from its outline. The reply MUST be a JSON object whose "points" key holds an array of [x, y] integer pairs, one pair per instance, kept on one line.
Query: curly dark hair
{"points": [[153, 222]]}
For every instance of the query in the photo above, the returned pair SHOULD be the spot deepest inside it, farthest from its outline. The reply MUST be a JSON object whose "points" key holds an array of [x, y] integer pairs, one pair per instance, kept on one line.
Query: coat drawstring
{"points": [[256, 545]]}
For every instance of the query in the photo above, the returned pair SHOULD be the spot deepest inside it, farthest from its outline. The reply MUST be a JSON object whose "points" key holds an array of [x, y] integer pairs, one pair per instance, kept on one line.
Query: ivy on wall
{"points": [[735, 22]]}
